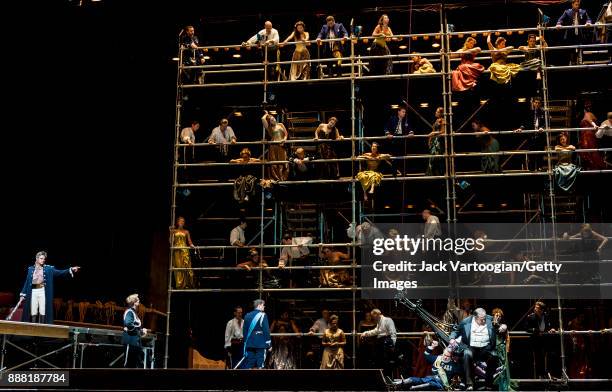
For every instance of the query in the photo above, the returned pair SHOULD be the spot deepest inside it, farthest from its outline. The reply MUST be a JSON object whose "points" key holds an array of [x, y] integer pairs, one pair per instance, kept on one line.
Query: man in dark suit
{"points": [[332, 30], [478, 334], [538, 325], [575, 16], [257, 340]]}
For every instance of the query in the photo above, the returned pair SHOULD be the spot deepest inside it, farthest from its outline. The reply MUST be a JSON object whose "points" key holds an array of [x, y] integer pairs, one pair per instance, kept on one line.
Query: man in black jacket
{"points": [[132, 333], [478, 334], [538, 325]]}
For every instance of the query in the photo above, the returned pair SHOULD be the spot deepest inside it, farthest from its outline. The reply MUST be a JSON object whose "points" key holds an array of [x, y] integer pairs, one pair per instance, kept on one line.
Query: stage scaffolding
{"points": [[356, 65]]}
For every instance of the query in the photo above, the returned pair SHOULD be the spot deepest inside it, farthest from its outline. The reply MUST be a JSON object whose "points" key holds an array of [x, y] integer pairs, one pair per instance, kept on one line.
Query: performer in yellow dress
{"points": [[334, 342], [181, 258], [501, 71], [371, 178], [300, 66]]}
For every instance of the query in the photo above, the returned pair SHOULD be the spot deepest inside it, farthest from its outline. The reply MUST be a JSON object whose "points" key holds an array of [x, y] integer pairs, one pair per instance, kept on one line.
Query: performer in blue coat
{"points": [[256, 332], [132, 333], [37, 290]]}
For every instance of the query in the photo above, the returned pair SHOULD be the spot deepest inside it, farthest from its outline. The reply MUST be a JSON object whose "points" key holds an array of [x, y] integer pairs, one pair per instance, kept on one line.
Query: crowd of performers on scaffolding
{"points": [[472, 352], [295, 162], [331, 39]]}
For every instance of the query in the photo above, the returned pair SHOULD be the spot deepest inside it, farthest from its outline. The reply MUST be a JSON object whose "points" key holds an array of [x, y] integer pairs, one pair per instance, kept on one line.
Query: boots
{"points": [[34, 319]]}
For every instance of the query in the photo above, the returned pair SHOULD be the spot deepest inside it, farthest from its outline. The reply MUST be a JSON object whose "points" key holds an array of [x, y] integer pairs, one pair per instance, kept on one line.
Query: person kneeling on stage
{"points": [[257, 340], [478, 334], [132, 333], [38, 287], [444, 369]]}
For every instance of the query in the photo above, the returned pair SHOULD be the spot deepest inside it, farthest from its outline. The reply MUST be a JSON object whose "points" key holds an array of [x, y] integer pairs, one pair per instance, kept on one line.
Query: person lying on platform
{"points": [[37, 291], [446, 371], [371, 177]]}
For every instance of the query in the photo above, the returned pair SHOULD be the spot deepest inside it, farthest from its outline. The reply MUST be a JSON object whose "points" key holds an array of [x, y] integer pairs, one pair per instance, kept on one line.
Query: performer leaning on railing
{"points": [[37, 290]]}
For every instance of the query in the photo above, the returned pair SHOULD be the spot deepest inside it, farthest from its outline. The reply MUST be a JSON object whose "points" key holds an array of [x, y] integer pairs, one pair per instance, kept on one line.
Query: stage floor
{"points": [[258, 380]]}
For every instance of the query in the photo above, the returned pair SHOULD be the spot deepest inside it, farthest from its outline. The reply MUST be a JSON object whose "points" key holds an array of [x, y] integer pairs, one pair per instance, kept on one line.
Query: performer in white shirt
{"points": [[234, 338], [386, 335], [267, 39]]}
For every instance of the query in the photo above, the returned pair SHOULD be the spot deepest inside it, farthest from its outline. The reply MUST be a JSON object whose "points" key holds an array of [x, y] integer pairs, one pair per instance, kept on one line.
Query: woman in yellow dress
{"points": [[300, 65], [371, 178], [181, 258], [382, 33], [334, 342], [421, 65], [501, 71], [276, 152]]}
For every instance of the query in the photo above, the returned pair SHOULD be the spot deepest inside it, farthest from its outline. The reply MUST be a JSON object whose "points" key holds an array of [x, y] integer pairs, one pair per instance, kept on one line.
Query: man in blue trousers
{"points": [[256, 332]]}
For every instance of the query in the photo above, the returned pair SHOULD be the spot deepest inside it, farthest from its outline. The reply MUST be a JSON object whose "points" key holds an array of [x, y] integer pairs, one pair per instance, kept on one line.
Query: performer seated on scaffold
{"points": [[371, 177], [502, 72], [37, 291], [132, 333], [334, 277]]}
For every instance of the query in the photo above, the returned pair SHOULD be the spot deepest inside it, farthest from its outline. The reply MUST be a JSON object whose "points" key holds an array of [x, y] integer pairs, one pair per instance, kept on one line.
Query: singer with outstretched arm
{"points": [[37, 290]]}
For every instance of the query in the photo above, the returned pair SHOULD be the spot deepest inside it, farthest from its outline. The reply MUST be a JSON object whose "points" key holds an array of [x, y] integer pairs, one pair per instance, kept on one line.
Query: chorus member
{"points": [[222, 135], [435, 143], [591, 160], [37, 291], [267, 40], [534, 120], [575, 16], [276, 151], [333, 343], [502, 72], [334, 277], [465, 77], [333, 48], [398, 124], [300, 165], [382, 33], [237, 234], [257, 340], [386, 336], [288, 254], [180, 240], [192, 56], [132, 333], [566, 173], [488, 144], [325, 150], [300, 62], [532, 54], [538, 324], [188, 136], [254, 261], [371, 178], [502, 345], [244, 185], [420, 65], [432, 225], [234, 339], [604, 134], [321, 324], [479, 335]]}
